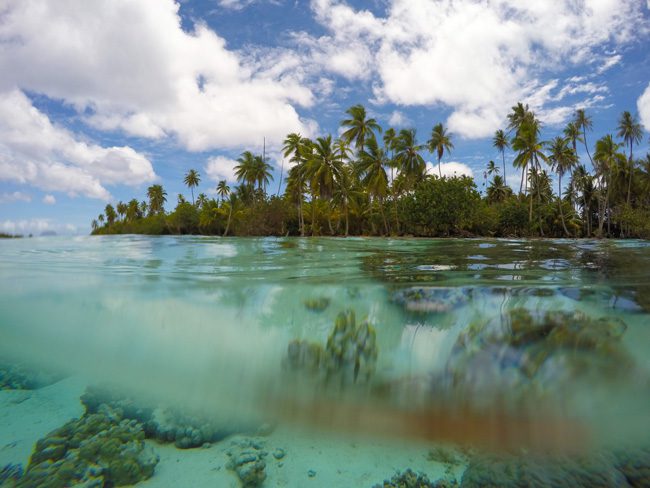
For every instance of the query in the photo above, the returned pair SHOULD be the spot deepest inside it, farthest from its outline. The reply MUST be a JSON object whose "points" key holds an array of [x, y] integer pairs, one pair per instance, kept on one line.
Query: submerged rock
{"points": [[247, 461], [23, 377], [410, 479], [10, 474], [100, 449], [317, 304], [431, 299]]}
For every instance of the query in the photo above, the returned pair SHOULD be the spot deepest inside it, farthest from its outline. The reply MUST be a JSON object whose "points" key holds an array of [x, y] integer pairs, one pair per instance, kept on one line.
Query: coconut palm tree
{"points": [[529, 149], [100, 218], [370, 168], [408, 159], [562, 159], [133, 210], [390, 144], [201, 200], [498, 191], [519, 114], [583, 182], [232, 201], [346, 190], [110, 214], [223, 190], [360, 129], [500, 141], [492, 168], [261, 172], [245, 170], [631, 131], [584, 123], [157, 197], [440, 143], [94, 224], [607, 157], [192, 180], [121, 209]]}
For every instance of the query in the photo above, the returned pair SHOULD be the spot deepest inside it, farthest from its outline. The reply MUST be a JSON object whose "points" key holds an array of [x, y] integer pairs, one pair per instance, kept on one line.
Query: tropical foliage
{"points": [[376, 182]]}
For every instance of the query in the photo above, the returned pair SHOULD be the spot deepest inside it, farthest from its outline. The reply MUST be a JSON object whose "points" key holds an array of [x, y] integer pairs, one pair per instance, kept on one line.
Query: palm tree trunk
{"points": [[347, 220], [523, 175], [503, 156], [192, 190], [439, 168], [629, 181], [383, 215], [225, 233], [559, 192]]}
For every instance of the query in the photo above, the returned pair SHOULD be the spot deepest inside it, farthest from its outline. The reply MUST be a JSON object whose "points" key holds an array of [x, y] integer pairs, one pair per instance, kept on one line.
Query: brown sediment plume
{"points": [[493, 428]]}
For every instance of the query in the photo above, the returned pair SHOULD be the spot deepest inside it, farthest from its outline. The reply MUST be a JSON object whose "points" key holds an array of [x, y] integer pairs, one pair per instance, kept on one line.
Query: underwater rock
{"points": [[317, 304], [10, 474], [247, 461], [625, 469], [164, 424], [349, 357], [100, 449], [431, 299], [410, 479], [22, 377]]}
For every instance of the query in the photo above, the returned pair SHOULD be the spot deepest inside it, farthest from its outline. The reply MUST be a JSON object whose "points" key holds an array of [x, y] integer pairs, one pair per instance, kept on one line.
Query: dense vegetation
{"points": [[374, 182]]}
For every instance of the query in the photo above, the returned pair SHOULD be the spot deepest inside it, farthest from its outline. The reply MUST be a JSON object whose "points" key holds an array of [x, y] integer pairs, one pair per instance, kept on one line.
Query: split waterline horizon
{"points": [[324, 361]]}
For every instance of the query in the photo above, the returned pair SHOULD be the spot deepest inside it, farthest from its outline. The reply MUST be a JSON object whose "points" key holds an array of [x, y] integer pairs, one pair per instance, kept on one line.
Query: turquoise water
{"points": [[492, 344]]}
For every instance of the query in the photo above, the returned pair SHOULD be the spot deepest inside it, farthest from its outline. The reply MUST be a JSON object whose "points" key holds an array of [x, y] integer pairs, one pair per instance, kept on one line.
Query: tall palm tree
{"points": [[631, 131], [582, 181], [192, 180], [498, 191], [133, 210], [492, 168], [245, 170], [157, 197], [100, 218], [390, 143], [110, 214], [440, 143], [529, 149], [346, 190], [261, 172], [223, 190], [584, 123], [232, 201], [408, 159], [562, 159], [360, 129], [94, 224], [201, 200], [121, 209], [500, 141], [519, 114], [607, 157], [370, 167]]}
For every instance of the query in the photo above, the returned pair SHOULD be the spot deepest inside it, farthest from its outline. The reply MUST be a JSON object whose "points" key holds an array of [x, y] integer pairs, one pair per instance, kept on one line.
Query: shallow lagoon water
{"points": [[203, 325]]}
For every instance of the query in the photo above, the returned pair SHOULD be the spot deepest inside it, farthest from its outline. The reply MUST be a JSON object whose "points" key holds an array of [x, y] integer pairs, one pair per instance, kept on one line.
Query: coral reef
{"points": [[247, 461], [317, 304], [10, 474], [621, 469], [164, 424], [100, 449], [431, 299], [349, 357], [410, 479], [23, 377]]}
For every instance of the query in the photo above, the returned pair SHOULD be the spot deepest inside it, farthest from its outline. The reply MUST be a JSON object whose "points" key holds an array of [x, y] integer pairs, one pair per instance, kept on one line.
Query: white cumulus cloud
{"points": [[128, 65], [49, 200], [37, 152], [451, 169], [643, 105], [221, 168], [16, 196]]}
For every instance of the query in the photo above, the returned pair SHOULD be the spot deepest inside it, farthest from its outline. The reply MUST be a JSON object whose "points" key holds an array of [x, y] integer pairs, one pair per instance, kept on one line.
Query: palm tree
{"points": [[245, 170], [498, 191], [346, 190], [390, 143], [563, 159], [631, 131], [94, 224], [201, 200], [370, 168], [582, 181], [261, 172], [143, 208], [121, 209], [518, 116], [529, 149], [233, 200], [440, 143], [583, 122], [360, 129], [157, 197], [492, 168], [295, 190], [100, 218], [607, 157], [110, 214], [223, 190], [180, 199], [408, 159], [500, 141], [192, 180], [133, 210]]}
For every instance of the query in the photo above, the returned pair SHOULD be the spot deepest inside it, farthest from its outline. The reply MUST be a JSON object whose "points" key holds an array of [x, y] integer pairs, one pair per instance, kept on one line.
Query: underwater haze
{"points": [[324, 362]]}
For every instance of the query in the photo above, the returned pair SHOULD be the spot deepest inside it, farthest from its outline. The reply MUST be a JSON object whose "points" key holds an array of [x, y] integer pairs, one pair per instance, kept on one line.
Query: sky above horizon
{"points": [[99, 100]]}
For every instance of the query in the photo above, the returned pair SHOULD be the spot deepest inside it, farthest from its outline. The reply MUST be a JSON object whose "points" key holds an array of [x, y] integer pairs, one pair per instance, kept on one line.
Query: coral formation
{"points": [[247, 461], [349, 357], [100, 449], [164, 424], [22, 377], [410, 479], [10, 474], [317, 304], [431, 299]]}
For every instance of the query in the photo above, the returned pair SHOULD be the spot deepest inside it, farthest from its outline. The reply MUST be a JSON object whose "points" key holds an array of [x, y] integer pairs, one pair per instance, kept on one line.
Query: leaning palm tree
{"points": [[359, 128], [631, 131], [370, 168], [440, 143], [192, 180], [562, 159], [607, 158], [233, 200], [223, 190], [584, 123], [501, 142]]}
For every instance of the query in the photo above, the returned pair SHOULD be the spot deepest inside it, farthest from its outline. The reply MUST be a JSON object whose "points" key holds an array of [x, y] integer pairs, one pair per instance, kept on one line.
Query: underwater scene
{"points": [[324, 362]]}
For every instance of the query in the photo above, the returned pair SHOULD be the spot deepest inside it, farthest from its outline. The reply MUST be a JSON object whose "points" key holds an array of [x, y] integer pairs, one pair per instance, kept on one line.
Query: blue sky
{"points": [[100, 99]]}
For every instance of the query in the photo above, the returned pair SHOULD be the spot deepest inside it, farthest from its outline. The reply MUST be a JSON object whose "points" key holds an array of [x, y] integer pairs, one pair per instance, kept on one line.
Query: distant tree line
{"points": [[375, 182]]}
